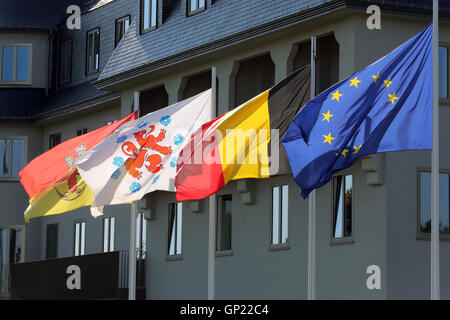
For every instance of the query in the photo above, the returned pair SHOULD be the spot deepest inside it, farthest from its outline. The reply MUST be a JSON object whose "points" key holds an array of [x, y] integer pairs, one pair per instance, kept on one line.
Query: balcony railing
{"points": [[93, 276]]}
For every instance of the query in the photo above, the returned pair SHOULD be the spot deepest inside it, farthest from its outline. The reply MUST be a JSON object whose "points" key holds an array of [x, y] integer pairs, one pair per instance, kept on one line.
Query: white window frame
{"points": [[177, 232], [423, 235], [153, 5], [4, 278], [79, 249], [81, 130], [25, 153], [94, 70], [22, 228], [109, 232], [30, 60], [141, 236], [120, 23], [197, 9], [344, 239], [282, 225]]}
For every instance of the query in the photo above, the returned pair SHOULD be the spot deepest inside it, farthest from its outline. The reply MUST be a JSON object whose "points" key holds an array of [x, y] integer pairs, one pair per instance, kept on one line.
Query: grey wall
{"points": [[408, 259], [94, 230], [384, 216], [380, 234], [252, 271], [13, 197], [94, 240]]}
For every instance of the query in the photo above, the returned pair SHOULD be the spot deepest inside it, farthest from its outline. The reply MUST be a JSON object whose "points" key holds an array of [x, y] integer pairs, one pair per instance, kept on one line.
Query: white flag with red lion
{"points": [[141, 156]]}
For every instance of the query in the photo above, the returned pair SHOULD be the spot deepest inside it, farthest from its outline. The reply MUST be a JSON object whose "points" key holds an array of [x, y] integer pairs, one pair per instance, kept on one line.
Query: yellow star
{"points": [[375, 78], [328, 138], [344, 152], [327, 116], [354, 82], [392, 97], [336, 95], [356, 149], [387, 83]]}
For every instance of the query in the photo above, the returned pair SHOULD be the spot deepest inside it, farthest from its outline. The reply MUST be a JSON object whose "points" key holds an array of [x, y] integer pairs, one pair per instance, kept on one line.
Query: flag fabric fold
{"points": [[243, 143], [141, 156], [51, 179], [385, 107]]}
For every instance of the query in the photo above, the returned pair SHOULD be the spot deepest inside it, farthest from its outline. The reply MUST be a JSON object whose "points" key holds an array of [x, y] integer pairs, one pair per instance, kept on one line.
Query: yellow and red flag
{"points": [[51, 179]]}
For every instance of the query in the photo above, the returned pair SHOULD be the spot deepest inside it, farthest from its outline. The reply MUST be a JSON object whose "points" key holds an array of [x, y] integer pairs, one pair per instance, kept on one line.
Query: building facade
{"points": [[57, 83]]}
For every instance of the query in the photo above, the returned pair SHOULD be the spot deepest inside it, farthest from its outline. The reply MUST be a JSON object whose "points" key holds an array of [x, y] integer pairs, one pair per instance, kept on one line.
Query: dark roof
{"points": [[28, 104], [223, 20], [69, 96], [180, 33], [41, 13], [19, 103]]}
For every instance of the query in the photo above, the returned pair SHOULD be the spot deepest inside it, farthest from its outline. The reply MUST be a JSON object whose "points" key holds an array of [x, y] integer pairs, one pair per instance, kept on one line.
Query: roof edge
{"points": [[249, 34], [75, 108], [214, 46]]}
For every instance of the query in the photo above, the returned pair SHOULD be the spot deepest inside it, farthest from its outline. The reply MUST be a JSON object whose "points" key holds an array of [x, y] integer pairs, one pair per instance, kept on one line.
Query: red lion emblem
{"points": [[139, 157]]}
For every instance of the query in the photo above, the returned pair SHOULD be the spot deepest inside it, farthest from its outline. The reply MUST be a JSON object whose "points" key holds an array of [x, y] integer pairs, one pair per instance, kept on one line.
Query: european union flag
{"points": [[385, 107]]}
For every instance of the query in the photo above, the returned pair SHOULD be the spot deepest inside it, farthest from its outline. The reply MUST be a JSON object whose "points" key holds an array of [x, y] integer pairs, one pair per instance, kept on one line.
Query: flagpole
{"points": [[312, 199], [212, 208], [435, 290], [133, 215]]}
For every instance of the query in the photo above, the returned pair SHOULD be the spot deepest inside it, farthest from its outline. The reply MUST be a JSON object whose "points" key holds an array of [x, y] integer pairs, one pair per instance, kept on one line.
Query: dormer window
{"points": [[65, 68], [195, 6], [15, 64], [149, 9], [92, 51], [122, 26]]}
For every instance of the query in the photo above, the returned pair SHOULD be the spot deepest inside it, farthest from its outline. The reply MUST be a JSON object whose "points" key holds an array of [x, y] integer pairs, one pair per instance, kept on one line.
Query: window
{"points": [[11, 251], [194, 84], [425, 204], [109, 122], [195, 6], [122, 26], [12, 157], [443, 72], [92, 51], [253, 76], [342, 206], [327, 61], [148, 15], [141, 236], [152, 100], [79, 238], [223, 240], [11, 243], [81, 131], [65, 66], [54, 140], [175, 227], [108, 233], [280, 215], [51, 241], [16, 64]]}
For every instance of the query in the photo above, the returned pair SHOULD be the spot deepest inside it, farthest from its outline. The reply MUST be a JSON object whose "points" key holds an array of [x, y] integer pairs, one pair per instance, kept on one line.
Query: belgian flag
{"points": [[237, 145]]}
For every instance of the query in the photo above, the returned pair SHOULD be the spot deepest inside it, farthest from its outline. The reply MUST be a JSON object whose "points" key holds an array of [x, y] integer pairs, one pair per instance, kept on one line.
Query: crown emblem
{"points": [[81, 154]]}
